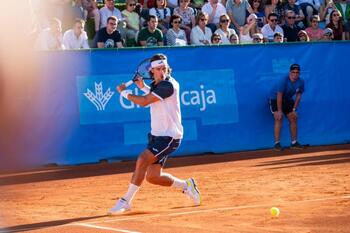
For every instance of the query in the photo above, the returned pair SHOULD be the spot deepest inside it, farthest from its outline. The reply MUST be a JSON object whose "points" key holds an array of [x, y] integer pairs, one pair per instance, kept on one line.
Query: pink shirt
{"points": [[314, 34]]}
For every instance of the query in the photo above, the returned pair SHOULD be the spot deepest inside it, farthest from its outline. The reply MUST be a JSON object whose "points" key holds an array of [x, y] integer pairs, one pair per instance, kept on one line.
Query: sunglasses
{"points": [[314, 21], [176, 22], [336, 15], [224, 21], [257, 39], [132, 4], [291, 17], [203, 19], [273, 20], [216, 38]]}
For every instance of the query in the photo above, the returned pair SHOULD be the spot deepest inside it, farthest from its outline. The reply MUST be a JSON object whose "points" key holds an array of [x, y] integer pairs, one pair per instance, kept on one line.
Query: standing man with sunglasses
{"points": [[165, 137], [290, 29], [269, 29], [282, 102]]}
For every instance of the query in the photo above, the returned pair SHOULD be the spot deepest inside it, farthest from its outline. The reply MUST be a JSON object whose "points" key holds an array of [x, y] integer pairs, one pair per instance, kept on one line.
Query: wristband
{"points": [[145, 89], [126, 93]]}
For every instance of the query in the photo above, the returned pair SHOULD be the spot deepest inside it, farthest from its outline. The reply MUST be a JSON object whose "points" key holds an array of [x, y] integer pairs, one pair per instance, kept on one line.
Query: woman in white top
{"points": [[163, 14], [249, 29], [76, 38], [200, 34], [175, 35], [224, 31], [187, 14]]}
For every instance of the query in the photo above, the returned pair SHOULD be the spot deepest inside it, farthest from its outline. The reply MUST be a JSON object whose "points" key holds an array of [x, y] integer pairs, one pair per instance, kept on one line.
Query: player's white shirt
{"points": [[166, 113]]}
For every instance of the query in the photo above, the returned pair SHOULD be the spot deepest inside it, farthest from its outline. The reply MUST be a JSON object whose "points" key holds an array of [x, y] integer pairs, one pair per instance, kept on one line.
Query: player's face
{"points": [[294, 75], [160, 72]]}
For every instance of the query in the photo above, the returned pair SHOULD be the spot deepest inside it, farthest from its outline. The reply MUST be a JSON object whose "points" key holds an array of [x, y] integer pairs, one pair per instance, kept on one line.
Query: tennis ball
{"points": [[274, 211]]}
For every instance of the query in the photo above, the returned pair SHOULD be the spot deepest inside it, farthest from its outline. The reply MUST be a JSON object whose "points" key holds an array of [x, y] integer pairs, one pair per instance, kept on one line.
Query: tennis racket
{"points": [[142, 71]]}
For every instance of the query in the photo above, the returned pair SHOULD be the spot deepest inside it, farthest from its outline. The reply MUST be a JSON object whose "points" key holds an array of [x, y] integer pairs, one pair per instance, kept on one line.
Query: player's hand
{"points": [[139, 82], [278, 115], [294, 113], [121, 87]]}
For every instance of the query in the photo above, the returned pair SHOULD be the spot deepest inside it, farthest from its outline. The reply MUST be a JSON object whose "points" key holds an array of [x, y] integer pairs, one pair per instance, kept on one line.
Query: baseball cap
{"points": [[258, 36], [328, 31], [294, 67]]}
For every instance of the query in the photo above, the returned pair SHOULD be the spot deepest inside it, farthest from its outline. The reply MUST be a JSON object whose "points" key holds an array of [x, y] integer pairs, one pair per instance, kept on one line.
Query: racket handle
{"points": [[128, 83]]}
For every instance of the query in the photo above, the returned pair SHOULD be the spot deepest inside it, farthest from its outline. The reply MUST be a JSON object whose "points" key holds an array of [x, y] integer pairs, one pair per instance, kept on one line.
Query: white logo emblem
{"points": [[99, 99]]}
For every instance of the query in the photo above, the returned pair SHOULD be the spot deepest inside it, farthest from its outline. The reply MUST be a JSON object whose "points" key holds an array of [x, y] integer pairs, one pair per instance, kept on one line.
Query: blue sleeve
{"points": [[301, 87], [164, 89], [281, 85]]}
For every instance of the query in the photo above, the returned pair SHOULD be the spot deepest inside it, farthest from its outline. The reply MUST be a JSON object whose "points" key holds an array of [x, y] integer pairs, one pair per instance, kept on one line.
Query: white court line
{"points": [[175, 214], [214, 210], [105, 228]]}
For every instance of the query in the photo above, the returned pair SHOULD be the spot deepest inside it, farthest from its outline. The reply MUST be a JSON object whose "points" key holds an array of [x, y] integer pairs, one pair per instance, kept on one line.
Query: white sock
{"points": [[132, 190], [277, 142], [294, 141], [178, 183]]}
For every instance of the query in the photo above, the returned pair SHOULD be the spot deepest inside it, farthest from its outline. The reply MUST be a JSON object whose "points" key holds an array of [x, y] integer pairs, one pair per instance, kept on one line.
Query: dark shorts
{"points": [[287, 106], [162, 147]]}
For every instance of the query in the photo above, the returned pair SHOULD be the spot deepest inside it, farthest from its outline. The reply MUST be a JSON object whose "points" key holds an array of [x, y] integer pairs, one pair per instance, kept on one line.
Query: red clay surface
{"points": [[310, 187]]}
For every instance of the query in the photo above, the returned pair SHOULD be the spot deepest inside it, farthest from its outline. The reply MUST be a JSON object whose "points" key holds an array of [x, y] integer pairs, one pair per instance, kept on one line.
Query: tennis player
{"points": [[165, 137]]}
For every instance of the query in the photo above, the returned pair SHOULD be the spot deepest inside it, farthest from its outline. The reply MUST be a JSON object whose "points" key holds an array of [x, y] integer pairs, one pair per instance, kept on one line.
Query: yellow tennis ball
{"points": [[274, 211]]}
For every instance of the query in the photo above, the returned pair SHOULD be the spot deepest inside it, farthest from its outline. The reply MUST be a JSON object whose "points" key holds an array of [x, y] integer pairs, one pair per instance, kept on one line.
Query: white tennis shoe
{"points": [[192, 191], [120, 207]]}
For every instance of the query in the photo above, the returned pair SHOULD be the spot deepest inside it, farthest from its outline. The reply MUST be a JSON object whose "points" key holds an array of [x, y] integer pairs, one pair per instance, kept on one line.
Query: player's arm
{"points": [[279, 101], [141, 84], [278, 113], [297, 101], [139, 100], [143, 100]]}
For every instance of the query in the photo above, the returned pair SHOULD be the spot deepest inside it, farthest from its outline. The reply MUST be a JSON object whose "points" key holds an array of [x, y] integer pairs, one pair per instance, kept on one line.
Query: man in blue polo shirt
{"points": [[282, 102]]}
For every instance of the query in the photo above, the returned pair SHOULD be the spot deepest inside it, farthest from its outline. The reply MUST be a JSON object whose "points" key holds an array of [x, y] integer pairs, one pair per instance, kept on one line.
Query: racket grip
{"points": [[128, 83]]}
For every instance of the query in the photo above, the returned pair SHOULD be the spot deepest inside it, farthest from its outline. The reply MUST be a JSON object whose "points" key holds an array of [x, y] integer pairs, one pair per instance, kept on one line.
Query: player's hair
{"points": [[159, 56]]}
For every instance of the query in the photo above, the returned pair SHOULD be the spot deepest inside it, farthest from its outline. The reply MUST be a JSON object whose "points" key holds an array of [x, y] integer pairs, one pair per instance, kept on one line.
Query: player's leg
{"points": [[277, 124], [292, 117], [161, 148], [293, 124], [155, 175], [145, 159]]}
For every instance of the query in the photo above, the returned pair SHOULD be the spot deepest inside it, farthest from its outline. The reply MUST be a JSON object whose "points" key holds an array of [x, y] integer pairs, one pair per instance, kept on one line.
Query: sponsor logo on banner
{"points": [[99, 99], [202, 95]]}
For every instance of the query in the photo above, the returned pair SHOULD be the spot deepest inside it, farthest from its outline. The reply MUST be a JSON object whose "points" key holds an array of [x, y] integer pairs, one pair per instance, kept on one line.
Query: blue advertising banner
{"points": [[78, 117]]}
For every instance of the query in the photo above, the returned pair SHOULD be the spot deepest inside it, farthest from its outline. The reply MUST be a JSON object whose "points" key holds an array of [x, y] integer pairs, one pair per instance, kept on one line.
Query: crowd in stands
{"points": [[81, 24]]}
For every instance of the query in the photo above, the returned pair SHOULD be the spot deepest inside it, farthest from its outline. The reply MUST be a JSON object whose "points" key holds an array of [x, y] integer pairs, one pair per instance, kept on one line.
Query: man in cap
{"points": [[165, 137], [282, 102], [327, 34], [258, 38]]}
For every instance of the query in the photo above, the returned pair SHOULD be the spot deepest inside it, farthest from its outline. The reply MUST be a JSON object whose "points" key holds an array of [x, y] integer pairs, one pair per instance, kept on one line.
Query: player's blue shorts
{"points": [[162, 147]]}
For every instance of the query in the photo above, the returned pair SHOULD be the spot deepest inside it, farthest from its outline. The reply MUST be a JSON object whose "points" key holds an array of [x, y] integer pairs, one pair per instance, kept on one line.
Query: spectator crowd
{"points": [[82, 24]]}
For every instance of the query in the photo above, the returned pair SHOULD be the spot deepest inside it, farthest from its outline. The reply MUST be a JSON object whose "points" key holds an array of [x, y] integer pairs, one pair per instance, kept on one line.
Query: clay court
{"points": [[310, 187]]}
